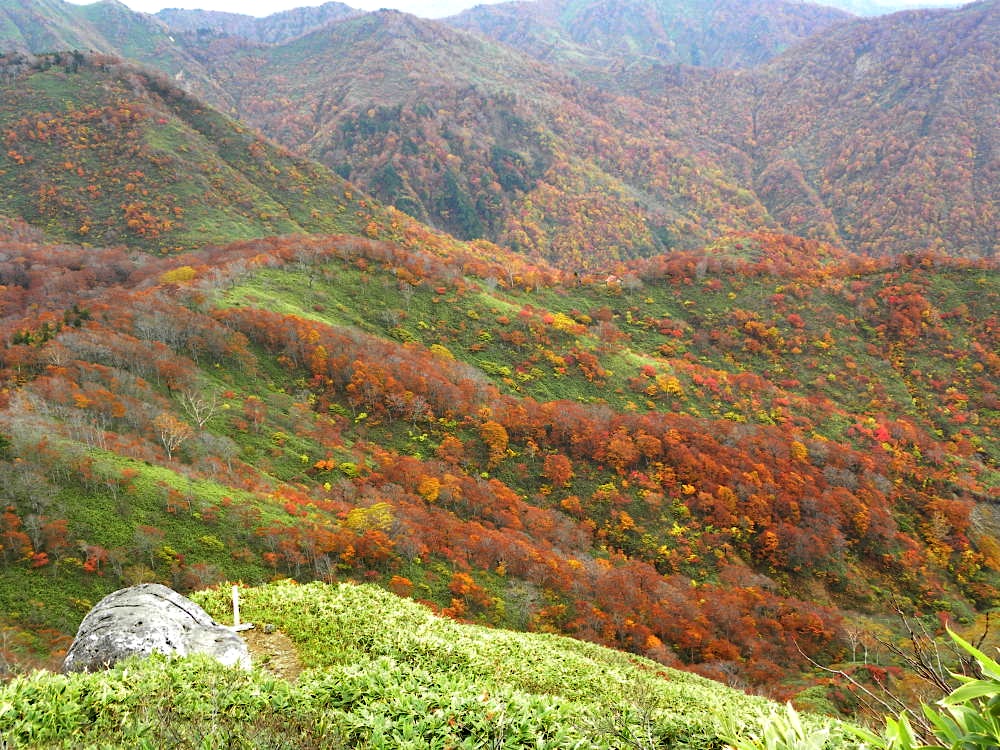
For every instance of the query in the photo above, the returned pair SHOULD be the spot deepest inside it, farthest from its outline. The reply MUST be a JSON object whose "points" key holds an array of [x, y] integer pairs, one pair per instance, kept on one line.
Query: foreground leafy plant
{"points": [[969, 718], [782, 731]]}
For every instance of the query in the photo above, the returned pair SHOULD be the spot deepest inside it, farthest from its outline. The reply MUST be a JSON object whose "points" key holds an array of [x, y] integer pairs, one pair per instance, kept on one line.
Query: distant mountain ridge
{"points": [[108, 27], [482, 141], [876, 8], [713, 33], [272, 29], [877, 134]]}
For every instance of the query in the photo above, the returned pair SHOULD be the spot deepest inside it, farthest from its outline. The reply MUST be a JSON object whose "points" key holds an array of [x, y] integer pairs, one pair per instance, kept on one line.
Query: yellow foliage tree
{"points": [[376, 517], [496, 439], [179, 275]]}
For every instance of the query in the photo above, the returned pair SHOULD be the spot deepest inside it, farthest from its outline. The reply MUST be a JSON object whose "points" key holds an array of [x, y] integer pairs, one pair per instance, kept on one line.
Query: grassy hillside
{"points": [[379, 672], [716, 461], [101, 152]]}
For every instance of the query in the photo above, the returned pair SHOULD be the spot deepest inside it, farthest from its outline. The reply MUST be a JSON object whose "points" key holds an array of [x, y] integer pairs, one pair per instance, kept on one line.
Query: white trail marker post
{"points": [[237, 625]]}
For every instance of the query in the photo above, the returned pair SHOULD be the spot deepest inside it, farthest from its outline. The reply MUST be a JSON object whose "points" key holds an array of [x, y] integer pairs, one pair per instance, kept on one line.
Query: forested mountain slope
{"points": [[483, 142], [883, 133], [880, 135]]}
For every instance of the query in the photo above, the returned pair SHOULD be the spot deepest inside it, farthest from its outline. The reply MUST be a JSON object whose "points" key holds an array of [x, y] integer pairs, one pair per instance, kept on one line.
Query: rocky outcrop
{"points": [[148, 619]]}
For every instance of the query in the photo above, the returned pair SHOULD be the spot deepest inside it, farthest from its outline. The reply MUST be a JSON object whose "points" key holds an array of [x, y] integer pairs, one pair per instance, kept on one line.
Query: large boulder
{"points": [[147, 619]]}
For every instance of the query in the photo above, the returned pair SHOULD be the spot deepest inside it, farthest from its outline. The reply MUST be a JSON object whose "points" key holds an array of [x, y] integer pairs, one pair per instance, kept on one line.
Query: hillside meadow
{"points": [[719, 460]]}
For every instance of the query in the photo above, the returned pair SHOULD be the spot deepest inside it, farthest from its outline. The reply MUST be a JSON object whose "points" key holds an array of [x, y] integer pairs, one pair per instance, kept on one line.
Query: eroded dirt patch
{"points": [[274, 652]]}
